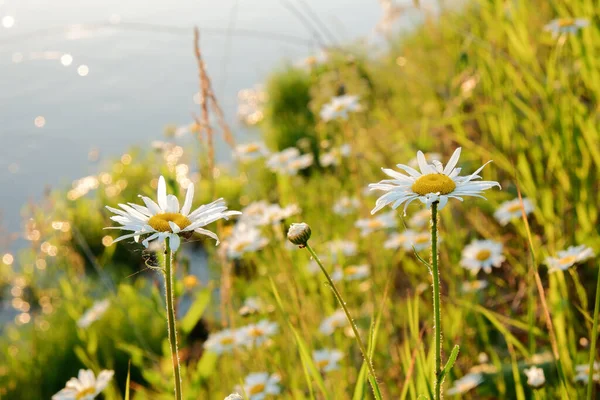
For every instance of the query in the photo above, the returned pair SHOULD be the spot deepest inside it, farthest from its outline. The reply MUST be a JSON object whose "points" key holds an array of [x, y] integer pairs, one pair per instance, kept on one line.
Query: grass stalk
{"points": [[436, 302], [171, 321]]}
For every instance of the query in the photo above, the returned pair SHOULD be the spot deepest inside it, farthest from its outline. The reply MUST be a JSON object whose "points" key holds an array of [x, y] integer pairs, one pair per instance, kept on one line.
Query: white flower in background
{"points": [[299, 163], [420, 219], [402, 240], [535, 377], [569, 257], [251, 104], [223, 341], [482, 254], [86, 386], [313, 267], [382, 221], [234, 396], [244, 239], [333, 156], [261, 213], [311, 61], [278, 161], [346, 205], [327, 360], [260, 384], [433, 183], [429, 158], [252, 305], [511, 209], [583, 373], [466, 383], [94, 313], [340, 107], [259, 333], [330, 324], [345, 248], [474, 286], [166, 219], [566, 25], [351, 273], [250, 151], [420, 241]]}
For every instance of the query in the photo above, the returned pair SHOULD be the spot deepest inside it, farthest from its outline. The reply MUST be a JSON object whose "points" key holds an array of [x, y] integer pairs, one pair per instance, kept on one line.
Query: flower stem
{"points": [[590, 388], [171, 321], [363, 349], [436, 301]]}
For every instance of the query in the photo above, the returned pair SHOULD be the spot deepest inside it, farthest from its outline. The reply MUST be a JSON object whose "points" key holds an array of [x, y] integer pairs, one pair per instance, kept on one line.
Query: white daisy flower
{"points": [[223, 341], [244, 239], [346, 205], [330, 324], [420, 219], [473, 286], [320, 58], [86, 386], [511, 209], [402, 240], [420, 241], [327, 360], [535, 377], [252, 305], [289, 161], [260, 384], [433, 184], [299, 163], [482, 254], [313, 266], [566, 25], [466, 383], [333, 156], [429, 158], [583, 373], [351, 273], [259, 333], [569, 257], [94, 313], [382, 221], [250, 151], [234, 396], [166, 219], [340, 107], [345, 248], [261, 213]]}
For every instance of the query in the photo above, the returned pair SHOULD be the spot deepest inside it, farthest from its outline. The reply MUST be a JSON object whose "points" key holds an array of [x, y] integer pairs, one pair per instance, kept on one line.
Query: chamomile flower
{"points": [[278, 161], [397, 241], [86, 386], [262, 213], [420, 219], [340, 107], [535, 377], [223, 341], [351, 273], [260, 384], [433, 184], [566, 25], [250, 151], [94, 313], [330, 324], [345, 248], [327, 360], [165, 219], [252, 305], [420, 241], [333, 156], [299, 163], [569, 257], [482, 254], [466, 383], [244, 239], [346, 205], [473, 286], [382, 221], [583, 373], [511, 209], [259, 333]]}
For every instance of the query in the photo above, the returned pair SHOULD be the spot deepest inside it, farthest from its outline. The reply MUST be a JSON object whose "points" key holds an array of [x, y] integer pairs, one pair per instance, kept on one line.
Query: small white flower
{"points": [[327, 360], [330, 324], [402, 240], [311, 61], [351, 273], [86, 386], [566, 25], [252, 305], [289, 161], [466, 383], [261, 213], [382, 221], [333, 156], [260, 384], [535, 377], [166, 219], [569, 257], [94, 313], [234, 396], [299, 163], [223, 341], [244, 239], [259, 333], [344, 248], [346, 205], [420, 241], [420, 219], [583, 373], [474, 286], [433, 184], [511, 209], [340, 107], [482, 254], [250, 151]]}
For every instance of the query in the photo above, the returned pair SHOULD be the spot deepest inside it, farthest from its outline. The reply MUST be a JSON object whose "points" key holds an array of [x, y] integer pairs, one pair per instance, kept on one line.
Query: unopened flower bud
{"points": [[299, 234]]}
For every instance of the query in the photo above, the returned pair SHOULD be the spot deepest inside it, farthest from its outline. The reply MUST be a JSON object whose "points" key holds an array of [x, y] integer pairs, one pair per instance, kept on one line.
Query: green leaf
{"points": [[449, 363], [195, 312], [128, 380]]}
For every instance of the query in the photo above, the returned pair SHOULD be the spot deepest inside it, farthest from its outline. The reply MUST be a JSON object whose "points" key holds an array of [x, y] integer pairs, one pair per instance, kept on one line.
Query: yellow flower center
{"points": [[339, 107], [241, 245], [568, 260], [227, 340], [514, 208], [433, 183], [85, 392], [253, 147], [322, 364], [566, 22], [256, 332], [422, 239], [256, 389], [351, 270], [374, 223], [483, 255], [160, 222]]}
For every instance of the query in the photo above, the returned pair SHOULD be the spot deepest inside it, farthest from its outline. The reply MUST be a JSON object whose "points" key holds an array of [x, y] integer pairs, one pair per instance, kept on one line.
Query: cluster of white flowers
{"points": [[289, 161], [346, 205], [583, 373], [225, 341], [569, 257], [340, 107], [333, 156], [250, 151]]}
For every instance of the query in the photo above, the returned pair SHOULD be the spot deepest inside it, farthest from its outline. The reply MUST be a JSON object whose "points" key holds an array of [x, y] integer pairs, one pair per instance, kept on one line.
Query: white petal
{"points": [[149, 239], [172, 204], [151, 205], [187, 204], [208, 233], [174, 227], [452, 162], [174, 241], [423, 166], [161, 193]]}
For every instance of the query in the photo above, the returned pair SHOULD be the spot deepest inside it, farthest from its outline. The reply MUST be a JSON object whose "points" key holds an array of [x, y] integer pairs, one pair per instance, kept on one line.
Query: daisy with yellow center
{"points": [[330, 324], [165, 219], [223, 341], [244, 239], [260, 384], [327, 359], [250, 151], [370, 225], [566, 25], [86, 386], [434, 183], [259, 333], [340, 107], [569, 257], [511, 209], [482, 254]]}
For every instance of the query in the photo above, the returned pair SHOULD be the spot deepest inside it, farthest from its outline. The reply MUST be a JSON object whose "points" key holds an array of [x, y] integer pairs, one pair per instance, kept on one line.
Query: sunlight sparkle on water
{"points": [[39, 121], [8, 21], [83, 70], [66, 59]]}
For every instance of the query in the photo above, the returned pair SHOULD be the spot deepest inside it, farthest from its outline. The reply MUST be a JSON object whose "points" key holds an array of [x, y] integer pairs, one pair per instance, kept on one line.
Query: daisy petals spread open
{"points": [[434, 183], [165, 219]]}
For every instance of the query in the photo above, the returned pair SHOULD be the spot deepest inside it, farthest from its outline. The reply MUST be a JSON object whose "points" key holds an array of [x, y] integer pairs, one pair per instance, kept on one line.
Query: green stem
{"points": [[436, 302], [363, 349], [590, 388], [172, 329]]}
